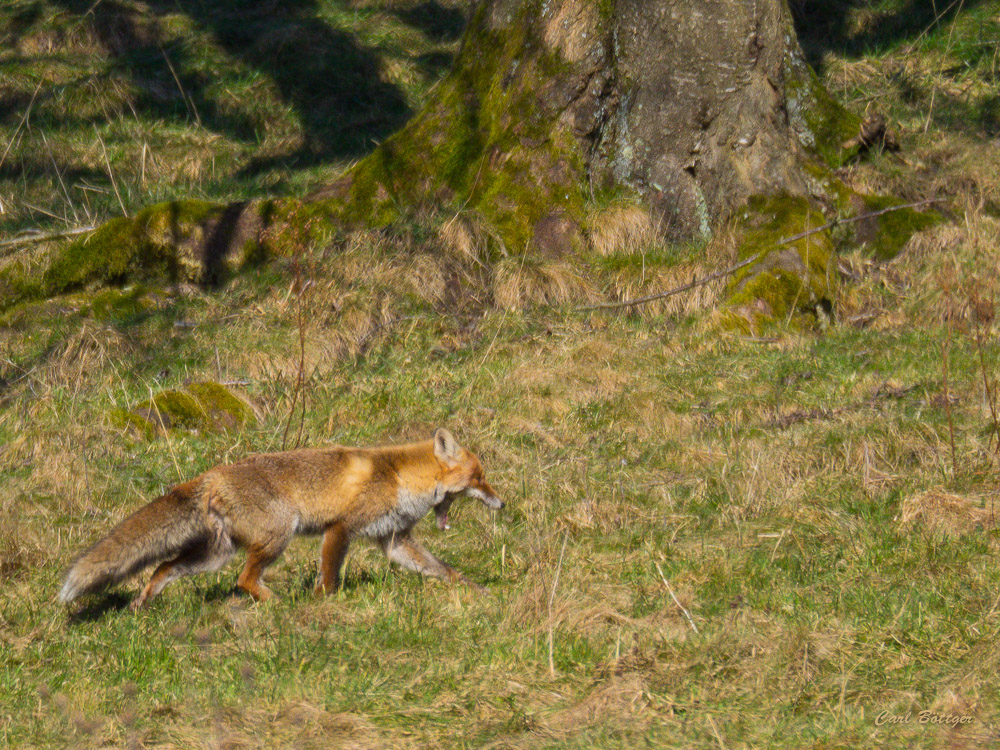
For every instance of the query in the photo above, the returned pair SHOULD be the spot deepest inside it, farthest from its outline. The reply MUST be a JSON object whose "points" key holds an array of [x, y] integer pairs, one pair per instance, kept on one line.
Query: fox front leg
{"points": [[407, 553], [335, 543]]}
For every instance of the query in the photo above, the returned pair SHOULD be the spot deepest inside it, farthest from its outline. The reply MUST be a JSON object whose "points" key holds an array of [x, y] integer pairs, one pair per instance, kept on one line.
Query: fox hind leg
{"points": [[259, 556], [203, 557], [406, 552]]}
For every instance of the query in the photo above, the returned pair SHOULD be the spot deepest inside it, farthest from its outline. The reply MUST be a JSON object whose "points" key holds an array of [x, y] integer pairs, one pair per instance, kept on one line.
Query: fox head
{"points": [[461, 474]]}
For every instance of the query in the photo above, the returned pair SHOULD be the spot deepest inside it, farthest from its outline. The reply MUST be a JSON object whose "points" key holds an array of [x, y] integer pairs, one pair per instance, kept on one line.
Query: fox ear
{"points": [[446, 448]]}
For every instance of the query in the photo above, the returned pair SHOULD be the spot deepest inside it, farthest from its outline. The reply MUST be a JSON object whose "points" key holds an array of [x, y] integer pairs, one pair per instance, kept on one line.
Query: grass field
{"points": [[711, 540]]}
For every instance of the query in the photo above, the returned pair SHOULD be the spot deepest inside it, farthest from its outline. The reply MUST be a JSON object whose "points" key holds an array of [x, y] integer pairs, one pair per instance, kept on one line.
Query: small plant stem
{"points": [[674, 596], [945, 350], [552, 597]]}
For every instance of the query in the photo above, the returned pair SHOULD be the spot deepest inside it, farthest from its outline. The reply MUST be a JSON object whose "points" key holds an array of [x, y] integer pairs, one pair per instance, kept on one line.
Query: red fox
{"points": [[261, 502]]}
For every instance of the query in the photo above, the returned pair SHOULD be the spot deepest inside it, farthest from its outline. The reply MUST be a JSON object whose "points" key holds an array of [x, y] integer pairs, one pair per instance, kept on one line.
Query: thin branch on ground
{"points": [[300, 377], [671, 292], [24, 119], [552, 597], [111, 174], [861, 217], [674, 597], [743, 264], [29, 239]]}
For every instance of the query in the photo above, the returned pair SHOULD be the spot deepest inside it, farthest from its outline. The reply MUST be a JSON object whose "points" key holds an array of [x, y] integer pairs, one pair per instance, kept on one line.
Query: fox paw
{"points": [[320, 591]]}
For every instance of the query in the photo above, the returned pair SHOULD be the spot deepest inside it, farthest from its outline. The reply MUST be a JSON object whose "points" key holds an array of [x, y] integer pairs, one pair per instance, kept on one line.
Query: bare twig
{"points": [[24, 119], [28, 239], [937, 19], [188, 101], [552, 597], [945, 350], [743, 264], [715, 730], [39, 209], [672, 292], [861, 217], [300, 322], [166, 433], [674, 597], [111, 174], [62, 184]]}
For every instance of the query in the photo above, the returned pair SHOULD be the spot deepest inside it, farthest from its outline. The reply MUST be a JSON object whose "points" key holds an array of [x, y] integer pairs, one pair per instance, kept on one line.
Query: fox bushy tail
{"points": [[156, 532]]}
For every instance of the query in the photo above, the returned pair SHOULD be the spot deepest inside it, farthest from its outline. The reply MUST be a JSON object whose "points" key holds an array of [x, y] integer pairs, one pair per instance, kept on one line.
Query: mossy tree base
{"points": [[552, 106], [553, 110]]}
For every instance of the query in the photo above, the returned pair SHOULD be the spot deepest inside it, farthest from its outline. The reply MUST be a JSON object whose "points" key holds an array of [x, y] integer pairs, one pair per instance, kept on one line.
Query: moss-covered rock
{"points": [[790, 281], [224, 410], [200, 407]]}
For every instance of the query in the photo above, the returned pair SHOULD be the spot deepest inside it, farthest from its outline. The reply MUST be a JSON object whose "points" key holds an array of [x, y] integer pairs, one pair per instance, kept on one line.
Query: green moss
{"points": [[223, 408], [821, 122], [773, 292], [484, 145], [176, 409], [889, 233], [107, 255], [161, 242], [789, 280], [166, 243], [199, 407], [116, 304], [127, 420]]}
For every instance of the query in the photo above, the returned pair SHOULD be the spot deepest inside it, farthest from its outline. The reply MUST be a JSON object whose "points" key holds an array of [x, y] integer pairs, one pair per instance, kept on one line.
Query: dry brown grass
{"points": [[931, 278], [944, 513], [621, 230], [470, 240], [626, 286], [520, 283]]}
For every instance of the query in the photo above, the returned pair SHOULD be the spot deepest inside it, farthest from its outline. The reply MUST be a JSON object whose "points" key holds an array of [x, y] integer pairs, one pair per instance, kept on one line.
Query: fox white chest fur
{"points": [[410, 508]]}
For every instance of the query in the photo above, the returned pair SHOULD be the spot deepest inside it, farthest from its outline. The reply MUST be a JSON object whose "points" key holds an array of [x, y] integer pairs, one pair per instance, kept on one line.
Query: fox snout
{"points": [[488, 499]]}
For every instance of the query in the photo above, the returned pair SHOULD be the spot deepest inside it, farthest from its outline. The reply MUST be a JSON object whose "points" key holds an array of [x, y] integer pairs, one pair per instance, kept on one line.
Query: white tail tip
{"points": [[69, 590]]}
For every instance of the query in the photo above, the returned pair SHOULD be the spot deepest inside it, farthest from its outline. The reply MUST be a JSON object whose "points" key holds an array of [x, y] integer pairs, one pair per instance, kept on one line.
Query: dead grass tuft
{"points": [[520, 283], [89, 350], [427, 277], [619, 702], [945, 513], [626, 286], [621, 229], [464, 238]]}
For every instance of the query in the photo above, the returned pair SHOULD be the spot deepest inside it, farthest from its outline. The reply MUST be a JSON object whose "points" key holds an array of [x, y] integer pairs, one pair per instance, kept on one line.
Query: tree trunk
{"points": [[687, 106]]}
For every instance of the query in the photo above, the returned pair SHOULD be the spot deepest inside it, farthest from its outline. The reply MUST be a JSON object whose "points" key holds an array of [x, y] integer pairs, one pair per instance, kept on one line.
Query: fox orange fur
{"points": [[261, 502]]}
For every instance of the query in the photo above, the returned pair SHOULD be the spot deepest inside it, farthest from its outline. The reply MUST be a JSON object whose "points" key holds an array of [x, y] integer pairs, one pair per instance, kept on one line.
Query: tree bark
{"points": [[687, 106]]}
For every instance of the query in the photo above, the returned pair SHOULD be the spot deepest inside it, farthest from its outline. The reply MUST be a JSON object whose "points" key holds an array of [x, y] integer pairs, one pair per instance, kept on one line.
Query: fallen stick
{"points": [[733, 269], [674, 597], [672, 292], [31, 238]]}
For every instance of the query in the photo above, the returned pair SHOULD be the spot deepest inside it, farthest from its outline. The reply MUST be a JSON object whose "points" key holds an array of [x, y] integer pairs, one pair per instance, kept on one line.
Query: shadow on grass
{"points": [[99, 607], [853, 28], [329, 78], [435, 20]]}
